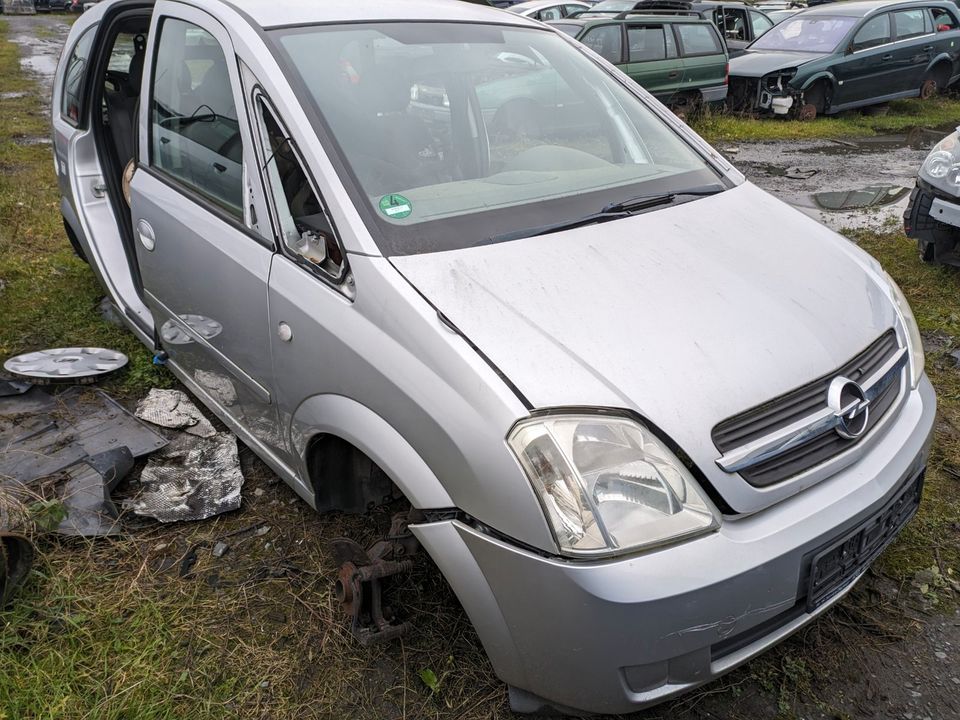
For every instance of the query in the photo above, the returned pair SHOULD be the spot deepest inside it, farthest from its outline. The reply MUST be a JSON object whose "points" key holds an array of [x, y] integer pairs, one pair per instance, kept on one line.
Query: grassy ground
{"points": [[941, 112], [129, 628]]}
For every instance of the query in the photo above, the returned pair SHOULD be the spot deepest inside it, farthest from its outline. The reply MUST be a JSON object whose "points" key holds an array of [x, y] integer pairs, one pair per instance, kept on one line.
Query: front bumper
{"points": [[751, 94], [933, 220], [611, 637]]}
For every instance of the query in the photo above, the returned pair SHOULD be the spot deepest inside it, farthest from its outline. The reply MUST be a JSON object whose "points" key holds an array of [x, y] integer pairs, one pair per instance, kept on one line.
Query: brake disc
{"points": [[66, 365]]}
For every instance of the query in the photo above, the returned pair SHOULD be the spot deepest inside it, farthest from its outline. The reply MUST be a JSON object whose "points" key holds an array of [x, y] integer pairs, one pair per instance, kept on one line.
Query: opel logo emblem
{"points": [[850, 407]]}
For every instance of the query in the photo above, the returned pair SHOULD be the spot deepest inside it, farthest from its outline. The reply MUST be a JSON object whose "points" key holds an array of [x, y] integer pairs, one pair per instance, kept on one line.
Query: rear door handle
{"points": [[928, 48], [887, 57], [673, 74]]}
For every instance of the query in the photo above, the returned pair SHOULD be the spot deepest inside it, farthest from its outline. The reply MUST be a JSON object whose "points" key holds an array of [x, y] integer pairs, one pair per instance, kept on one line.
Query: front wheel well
{"points": [[344, 478]]}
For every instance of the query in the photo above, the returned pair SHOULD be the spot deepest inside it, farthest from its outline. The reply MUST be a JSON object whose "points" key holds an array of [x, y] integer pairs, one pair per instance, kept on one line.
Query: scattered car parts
{"points": [[173, 409], [192, 478], [361, 573], [74, 365]]}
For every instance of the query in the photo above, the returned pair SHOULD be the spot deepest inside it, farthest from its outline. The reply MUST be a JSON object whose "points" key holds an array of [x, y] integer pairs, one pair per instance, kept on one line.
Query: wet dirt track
{"points": [[843, 183], [913, 676]]}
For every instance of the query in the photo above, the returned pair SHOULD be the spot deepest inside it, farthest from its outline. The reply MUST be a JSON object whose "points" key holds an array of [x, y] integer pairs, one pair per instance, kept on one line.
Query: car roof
{"points": [[279, 13], [862, 8], [633, 17]]}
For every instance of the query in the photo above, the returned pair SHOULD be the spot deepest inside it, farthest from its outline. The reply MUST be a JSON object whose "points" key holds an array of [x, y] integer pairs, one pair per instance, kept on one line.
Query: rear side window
{"points": [[550, 13], [73, 77], [734, 23], [909, 23], [194, 132], [698, 40], [606, 41], [943, 20], [646, 43], [875, 31]]}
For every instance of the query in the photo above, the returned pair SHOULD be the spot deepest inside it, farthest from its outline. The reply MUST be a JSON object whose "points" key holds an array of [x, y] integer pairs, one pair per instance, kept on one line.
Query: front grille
{"points": [[780, 412]]}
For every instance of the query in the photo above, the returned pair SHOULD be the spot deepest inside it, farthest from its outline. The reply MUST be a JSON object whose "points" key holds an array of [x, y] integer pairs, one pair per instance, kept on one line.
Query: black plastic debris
{"points": [[73, 448], [192, 478], [16, 559], [41, 435], [13, 387], [86, 493]]}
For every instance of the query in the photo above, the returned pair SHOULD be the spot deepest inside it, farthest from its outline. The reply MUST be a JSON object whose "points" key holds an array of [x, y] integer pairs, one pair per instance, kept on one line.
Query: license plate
{"points": [[833, 567]]}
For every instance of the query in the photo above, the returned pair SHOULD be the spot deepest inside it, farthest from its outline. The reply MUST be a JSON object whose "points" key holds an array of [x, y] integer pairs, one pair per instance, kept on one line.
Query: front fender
{"points": [[822, 75], [376, 438]]}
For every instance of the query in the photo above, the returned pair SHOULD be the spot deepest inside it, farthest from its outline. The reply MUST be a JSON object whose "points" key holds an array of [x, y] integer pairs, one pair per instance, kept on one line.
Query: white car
{"points": [[548, 11]]}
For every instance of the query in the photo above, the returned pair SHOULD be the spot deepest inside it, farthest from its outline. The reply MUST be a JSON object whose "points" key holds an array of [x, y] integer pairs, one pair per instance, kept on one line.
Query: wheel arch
{"points": [[824, 77], [324, 417]]}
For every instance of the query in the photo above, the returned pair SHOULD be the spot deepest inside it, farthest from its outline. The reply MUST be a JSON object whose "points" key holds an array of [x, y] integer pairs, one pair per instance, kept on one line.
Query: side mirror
{"points": [[311, 245]]}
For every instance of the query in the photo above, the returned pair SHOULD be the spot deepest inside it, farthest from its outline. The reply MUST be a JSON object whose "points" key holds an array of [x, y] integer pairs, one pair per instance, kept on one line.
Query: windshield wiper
{"points": [[642, 202], [611, 211]]}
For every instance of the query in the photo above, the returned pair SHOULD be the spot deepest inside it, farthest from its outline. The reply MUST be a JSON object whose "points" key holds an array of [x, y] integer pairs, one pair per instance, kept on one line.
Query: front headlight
{"points": [[912, 332], [941, 169], [608, 485]]}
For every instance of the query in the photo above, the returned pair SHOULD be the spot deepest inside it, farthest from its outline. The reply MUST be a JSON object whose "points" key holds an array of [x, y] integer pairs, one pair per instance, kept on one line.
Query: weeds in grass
{"points": [[941, 112]]}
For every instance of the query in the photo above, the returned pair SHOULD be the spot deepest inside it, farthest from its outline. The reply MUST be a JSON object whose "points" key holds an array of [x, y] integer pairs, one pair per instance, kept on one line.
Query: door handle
{"points": [[928, 48], [672, 74], [887, 57], [145, 233]]}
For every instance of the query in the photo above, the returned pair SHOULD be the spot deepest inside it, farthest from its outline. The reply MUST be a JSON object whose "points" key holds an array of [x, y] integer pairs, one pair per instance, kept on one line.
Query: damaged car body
{"points": [[932, 216], [642, 439], [843, 56]]}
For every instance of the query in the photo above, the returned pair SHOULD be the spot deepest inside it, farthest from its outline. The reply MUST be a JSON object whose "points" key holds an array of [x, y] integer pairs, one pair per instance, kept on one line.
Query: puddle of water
{"points": [[917, 138], [41, 64], [869, 197]]}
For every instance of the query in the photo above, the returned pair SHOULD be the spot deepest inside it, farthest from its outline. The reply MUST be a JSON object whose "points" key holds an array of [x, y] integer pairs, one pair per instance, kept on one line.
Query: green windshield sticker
{"points": [[395, 206]]}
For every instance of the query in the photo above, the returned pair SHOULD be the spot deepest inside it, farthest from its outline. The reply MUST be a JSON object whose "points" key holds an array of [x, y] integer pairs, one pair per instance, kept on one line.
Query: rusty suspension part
{"points": [[359, 584]]}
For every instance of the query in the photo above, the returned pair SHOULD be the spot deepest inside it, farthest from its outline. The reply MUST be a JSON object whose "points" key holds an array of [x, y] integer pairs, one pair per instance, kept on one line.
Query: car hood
{"points": [[757, 63], [686, 315]]}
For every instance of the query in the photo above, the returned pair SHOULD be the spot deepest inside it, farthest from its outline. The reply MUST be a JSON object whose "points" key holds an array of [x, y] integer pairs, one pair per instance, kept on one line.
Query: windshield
{"points": [[806, 34], [457, 134]]}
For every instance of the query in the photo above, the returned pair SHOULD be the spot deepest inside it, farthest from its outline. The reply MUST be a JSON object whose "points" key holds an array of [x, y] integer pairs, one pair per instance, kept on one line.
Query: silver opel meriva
{"points": [[650, 419]]}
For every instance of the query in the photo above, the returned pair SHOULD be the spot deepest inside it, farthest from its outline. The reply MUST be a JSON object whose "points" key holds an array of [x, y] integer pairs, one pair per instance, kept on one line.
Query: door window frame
{"points": [[664, 28], [718, 36], [889, 41], [623, 41], [209, 24], [257, 96], [895, 28], [84, 86]]}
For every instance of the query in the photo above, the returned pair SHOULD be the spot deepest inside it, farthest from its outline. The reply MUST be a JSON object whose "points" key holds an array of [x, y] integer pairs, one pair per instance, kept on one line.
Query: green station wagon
{"points": [[679, 59], [848, 55]]}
